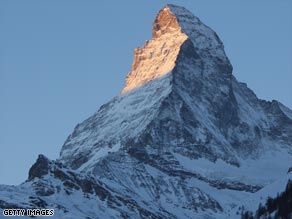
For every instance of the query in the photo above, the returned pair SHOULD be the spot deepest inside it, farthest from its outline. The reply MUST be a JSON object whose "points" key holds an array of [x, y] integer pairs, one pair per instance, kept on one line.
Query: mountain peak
{"points": [[166, 21], [172, 26], [185, 140], [184, 63], [157, 57]]}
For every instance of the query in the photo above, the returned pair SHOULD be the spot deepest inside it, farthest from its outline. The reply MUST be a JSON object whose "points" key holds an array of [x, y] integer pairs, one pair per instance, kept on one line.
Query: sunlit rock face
{"points": [[171, 27], [157, 57]]}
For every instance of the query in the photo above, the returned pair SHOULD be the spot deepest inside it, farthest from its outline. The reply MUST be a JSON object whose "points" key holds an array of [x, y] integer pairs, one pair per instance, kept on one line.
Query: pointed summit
{"points": [[166, 22], [157, 57], [183, 66], [172, 18], [172, 26]]}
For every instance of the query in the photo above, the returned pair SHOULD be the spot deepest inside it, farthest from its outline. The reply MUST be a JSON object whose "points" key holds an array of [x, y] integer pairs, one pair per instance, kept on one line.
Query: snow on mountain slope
{"points": [[184, 138], [71, 194], [123, 117]]}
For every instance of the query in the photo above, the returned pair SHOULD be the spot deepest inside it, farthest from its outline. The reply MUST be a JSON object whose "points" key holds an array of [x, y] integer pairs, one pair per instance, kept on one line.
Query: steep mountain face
{"points": [[180, 41], [183, 139], [181, 93]]}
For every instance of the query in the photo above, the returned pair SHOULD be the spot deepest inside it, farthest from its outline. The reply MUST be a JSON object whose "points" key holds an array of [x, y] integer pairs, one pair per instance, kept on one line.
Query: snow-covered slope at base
{"points": [[72, 194], [271, 190], [57, 191], [73, 206], [132, 189], [271, 166]]}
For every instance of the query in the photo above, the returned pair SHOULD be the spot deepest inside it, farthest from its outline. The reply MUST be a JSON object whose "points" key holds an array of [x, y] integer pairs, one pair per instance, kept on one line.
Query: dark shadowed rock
{"points": [[39, 168]]}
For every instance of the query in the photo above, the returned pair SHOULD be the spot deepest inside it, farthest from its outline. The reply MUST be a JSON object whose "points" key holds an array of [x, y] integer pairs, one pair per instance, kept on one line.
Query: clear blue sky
{"points": [[61, 60]]}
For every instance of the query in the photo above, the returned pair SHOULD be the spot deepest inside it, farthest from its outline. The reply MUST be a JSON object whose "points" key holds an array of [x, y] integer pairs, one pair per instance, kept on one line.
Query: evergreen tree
{"points": [[281, 206]]}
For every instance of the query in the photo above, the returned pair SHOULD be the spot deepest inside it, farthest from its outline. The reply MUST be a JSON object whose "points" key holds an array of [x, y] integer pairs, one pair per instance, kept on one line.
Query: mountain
{"points": [[183, 139]]}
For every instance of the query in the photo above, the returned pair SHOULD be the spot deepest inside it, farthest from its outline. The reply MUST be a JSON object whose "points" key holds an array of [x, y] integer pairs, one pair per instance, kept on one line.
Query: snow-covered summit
{"points": [[204, 38]]}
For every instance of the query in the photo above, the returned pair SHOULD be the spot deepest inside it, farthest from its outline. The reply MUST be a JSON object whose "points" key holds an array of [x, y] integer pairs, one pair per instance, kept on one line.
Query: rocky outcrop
{"points": [[157, 57], [40, 168]]}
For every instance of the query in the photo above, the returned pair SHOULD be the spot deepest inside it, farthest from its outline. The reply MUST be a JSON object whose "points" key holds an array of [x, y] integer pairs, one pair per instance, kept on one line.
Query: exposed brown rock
{"points": [[157, 57]]}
